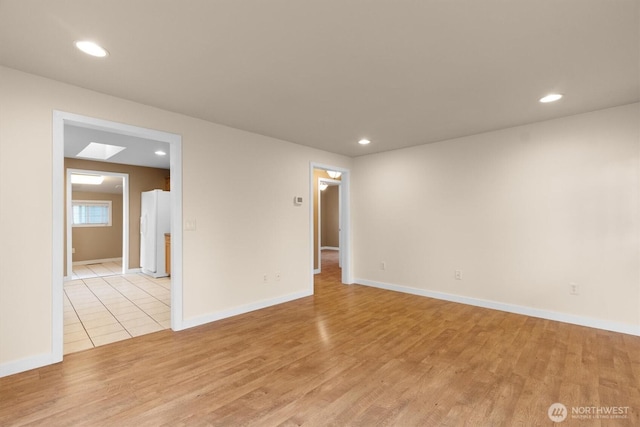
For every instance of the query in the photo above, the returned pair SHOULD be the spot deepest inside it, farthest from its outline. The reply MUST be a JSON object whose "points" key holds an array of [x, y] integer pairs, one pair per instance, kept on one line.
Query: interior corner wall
{"points": [[244, 228], [522, 212]]}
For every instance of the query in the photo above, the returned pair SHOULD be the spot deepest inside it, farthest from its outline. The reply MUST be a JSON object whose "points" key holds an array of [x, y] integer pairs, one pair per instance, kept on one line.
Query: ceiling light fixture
{"points": [[364, 141], [80, 178], [91, 48], [334, 174], [161, 153], [322, 185], [552, 97]]}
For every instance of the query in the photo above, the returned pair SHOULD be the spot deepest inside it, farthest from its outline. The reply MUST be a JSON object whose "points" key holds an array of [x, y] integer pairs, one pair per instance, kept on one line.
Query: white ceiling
{"points": [[325, 73]]}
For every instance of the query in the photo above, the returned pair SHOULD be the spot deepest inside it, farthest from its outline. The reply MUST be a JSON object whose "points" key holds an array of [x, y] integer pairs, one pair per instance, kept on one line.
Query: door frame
{"points": [[125, 217], [60, 118], [345, 221]]}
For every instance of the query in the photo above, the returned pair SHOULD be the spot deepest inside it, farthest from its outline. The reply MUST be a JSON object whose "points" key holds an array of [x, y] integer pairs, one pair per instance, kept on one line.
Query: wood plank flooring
{"points": [[347, 356]]}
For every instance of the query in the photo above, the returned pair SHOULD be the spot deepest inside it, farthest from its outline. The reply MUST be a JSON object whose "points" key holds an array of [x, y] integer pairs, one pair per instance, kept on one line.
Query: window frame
{"points": [[107, 203]]}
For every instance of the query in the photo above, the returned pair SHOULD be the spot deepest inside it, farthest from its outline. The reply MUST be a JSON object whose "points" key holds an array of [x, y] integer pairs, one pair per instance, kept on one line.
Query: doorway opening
{"points": [[329, 224], [64, 124], [97, 223], [329, 218]]}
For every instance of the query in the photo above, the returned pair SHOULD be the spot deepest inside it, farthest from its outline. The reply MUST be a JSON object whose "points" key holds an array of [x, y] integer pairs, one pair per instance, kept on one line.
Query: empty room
{"points": [[403, 213]]}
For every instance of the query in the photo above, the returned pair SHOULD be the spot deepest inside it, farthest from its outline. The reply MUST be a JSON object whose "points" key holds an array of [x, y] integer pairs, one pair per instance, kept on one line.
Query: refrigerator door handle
{"points": [[143, 224]]}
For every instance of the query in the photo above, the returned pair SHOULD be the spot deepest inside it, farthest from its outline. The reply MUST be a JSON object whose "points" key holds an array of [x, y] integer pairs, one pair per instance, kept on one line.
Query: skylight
{"points": [[81, 178], [99, 151]]}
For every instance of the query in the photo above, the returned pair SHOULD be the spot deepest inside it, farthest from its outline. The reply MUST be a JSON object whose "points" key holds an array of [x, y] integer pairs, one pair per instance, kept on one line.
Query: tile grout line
{"points": [[132, 302], [143, 290], [95, 275], [107, 308], [82, 323], [111, 272]]}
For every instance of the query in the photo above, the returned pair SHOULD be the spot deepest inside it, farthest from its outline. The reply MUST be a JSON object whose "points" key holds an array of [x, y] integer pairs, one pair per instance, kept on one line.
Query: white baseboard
{"points": [[329, 248], [27, 364], [201, 320], [96, 261], [510, 308]]}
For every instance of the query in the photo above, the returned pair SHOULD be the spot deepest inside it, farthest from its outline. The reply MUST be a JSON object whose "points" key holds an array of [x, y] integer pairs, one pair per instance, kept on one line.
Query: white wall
{"points": [[522, 212], [238, 186]]}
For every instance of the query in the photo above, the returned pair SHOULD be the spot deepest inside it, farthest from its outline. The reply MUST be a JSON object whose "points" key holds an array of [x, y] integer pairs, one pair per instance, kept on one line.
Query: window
{"points": [[91, 213]]}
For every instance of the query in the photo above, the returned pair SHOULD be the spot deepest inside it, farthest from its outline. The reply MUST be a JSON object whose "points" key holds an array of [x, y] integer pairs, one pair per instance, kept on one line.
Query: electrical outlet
{"points": [[574, 289], [278, 276], [458, 274], [265, 278], [383, 265]]}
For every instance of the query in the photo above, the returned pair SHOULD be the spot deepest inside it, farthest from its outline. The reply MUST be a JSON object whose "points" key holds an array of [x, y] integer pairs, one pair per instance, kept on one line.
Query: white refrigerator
{"points": [[155, 221]]}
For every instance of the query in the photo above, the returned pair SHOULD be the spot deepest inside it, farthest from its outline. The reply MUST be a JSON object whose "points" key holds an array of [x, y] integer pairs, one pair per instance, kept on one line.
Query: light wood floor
{"points": [[349, 355]]}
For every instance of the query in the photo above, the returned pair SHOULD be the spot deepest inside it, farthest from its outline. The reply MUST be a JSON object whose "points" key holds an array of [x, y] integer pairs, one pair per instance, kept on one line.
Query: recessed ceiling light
{"points": [[364, 141], [80, 178], [552, 97], [91, 48], [161, 153], [99, 151]]}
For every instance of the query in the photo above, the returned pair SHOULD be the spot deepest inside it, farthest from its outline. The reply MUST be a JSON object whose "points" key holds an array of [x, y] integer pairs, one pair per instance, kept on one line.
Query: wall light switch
{"points": [[574, 289], [190, 225]]}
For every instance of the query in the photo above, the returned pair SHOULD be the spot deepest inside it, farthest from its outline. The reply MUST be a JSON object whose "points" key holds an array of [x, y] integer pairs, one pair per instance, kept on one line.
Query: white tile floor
{"points": [[83, 271], [101, 307]]}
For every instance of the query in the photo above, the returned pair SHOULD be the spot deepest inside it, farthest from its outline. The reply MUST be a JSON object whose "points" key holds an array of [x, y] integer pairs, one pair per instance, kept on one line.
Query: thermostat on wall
{"points": [[297, 200]]}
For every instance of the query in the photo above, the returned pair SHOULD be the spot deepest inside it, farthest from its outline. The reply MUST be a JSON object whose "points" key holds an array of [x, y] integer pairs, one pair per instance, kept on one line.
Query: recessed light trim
{"points": [[98, 151], [552, 97], [91, 48], [364, 141], [161, 153]]}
